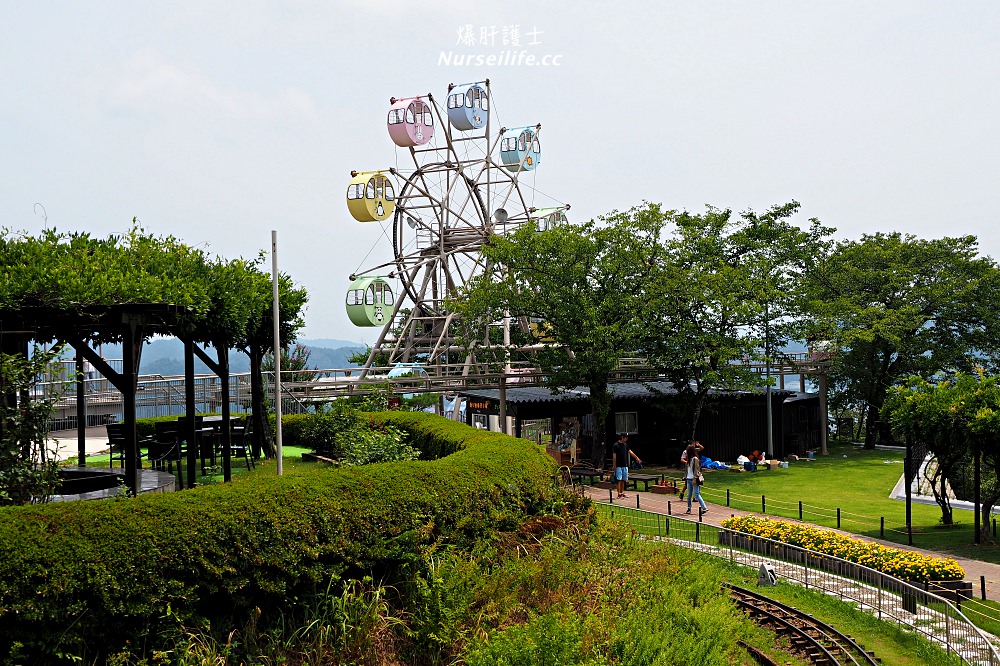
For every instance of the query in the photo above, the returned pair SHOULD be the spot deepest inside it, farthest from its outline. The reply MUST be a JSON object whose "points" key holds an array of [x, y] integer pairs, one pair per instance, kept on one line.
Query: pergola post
{"points": [[189, 410]]}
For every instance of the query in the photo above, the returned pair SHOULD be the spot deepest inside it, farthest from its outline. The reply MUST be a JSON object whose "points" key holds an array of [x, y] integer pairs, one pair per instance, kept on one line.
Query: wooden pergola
{"points": [[131, 324]]}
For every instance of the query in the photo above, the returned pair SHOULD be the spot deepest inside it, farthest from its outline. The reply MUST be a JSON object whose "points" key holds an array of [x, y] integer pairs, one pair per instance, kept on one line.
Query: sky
{"points": [[218, 122]]}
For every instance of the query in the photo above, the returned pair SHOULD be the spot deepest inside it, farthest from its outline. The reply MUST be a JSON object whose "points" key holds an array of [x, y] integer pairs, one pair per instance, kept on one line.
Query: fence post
{"points": [[667, 523], [982, 586], [763, 504], [668, 508], [881, 584], [838, 517], [800, 509], [881, 529], [637, 496], [611, 496], [947, 629], [727, 504], [697, 532], [658, 531]]}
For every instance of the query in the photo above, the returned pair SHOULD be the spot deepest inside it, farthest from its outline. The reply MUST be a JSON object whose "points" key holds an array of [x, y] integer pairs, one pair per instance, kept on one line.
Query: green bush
{"points": [[87, 577]]}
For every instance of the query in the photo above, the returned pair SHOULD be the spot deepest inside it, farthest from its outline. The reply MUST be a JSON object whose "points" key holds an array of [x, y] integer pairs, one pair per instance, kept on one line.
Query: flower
{"points": [[899, 563]]}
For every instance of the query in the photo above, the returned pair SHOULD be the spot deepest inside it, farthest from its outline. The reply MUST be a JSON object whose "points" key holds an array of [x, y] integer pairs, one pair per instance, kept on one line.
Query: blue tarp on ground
{"points": [[708, 463]]}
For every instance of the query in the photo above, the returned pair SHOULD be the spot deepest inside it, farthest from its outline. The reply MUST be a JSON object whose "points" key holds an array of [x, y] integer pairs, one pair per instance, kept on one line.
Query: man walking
{"points": [[619, 460]]}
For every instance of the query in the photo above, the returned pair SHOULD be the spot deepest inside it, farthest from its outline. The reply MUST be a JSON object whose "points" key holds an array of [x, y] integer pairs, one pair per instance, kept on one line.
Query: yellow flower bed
{"points": [[904, 564]]}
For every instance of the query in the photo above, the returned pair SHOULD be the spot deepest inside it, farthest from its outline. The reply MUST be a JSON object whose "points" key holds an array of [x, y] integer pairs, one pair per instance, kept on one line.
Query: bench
{"points": [[667, 487], [635, 479], [585, 473]]}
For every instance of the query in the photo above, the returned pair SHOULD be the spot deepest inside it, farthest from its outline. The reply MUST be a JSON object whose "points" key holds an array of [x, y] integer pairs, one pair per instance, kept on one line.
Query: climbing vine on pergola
{"points": [[85, 291]]}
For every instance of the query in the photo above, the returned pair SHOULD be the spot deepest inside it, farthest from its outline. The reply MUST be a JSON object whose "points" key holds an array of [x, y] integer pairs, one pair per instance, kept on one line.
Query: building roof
{"points": [[633, 390]]}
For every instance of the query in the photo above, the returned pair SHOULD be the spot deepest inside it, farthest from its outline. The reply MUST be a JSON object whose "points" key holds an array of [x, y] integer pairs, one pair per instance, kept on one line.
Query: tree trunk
{"points": [[697, 405], [947, 516], [986, 531], [600, 404], [261, 439]]}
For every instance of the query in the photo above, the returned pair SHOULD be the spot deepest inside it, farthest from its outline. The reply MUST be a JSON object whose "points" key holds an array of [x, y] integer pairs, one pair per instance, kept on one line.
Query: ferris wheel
{"points": [[467, 182]]}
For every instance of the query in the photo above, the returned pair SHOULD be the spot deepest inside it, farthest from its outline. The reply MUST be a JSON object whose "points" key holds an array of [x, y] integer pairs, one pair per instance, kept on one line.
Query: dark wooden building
{"points": [[731, 423]]}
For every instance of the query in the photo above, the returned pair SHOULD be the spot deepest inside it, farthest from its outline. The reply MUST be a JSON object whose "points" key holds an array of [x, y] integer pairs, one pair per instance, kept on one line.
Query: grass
{"points": [[859, 483], [555, 592], [291, 460], [891, 643]]}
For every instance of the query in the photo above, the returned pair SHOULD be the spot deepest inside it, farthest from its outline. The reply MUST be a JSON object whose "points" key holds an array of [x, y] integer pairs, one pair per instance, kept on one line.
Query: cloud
{"points": [[151, 85]]}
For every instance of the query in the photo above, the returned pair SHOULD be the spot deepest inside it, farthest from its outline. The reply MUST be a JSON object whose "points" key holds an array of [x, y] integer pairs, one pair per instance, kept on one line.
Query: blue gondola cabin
{"points": [[369, 301], [468, 106], [519, 149]]}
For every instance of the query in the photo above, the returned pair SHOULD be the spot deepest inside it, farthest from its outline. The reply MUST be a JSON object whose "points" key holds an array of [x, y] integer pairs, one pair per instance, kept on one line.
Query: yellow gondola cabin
{"points": [[371, 196]]}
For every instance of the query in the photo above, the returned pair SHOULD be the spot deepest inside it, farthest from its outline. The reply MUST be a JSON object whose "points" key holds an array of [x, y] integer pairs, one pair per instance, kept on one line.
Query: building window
{"points": [[626, 422], [480, 421]]}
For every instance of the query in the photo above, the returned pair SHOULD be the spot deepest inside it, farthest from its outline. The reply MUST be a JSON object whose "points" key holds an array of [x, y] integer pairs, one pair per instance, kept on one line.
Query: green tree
{"points": [[896, 306], [227, 303], [724, 294], [294, 364], [258, 339], [572, 294], [957, 419], [28, 469]]}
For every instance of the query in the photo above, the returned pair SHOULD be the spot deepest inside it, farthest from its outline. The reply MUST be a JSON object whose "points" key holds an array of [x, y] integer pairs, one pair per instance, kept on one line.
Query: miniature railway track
{"points": [[757, 655], [819, 642]]}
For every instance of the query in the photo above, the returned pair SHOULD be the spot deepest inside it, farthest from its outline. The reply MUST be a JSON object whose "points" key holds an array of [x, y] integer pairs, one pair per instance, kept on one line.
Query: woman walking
{"points": [[692, 478]]}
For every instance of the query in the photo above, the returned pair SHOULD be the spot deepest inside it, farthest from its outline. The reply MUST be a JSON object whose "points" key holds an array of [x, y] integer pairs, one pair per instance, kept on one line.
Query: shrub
{"points": [[904, 564], [28, 471], [85, 577]]}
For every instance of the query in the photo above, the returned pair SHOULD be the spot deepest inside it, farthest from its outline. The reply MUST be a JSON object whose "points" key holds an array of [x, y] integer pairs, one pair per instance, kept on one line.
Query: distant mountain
{"points": [[330, 343], [165, 356]]}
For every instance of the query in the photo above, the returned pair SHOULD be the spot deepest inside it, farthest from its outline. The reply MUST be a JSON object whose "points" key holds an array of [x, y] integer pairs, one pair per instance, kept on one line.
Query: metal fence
{"points": [[884, 596], [158, 396]]}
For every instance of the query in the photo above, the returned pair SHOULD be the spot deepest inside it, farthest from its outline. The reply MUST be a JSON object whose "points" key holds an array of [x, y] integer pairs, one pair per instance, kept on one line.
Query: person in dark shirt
{"points": [[619, 460]]}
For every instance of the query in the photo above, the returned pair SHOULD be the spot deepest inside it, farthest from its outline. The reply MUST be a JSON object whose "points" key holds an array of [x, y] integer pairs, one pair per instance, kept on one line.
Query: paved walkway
{"points": [[669, 504], [67, 445]]}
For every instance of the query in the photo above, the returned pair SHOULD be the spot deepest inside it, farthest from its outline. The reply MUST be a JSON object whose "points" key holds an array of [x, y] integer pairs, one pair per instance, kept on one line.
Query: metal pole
{"points": [[767, 358], [908, 474], [504, 425], [277, 348]]}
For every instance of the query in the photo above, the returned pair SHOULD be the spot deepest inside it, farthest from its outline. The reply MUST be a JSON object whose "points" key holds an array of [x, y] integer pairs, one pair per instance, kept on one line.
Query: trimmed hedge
{"points": [[86, 577]]}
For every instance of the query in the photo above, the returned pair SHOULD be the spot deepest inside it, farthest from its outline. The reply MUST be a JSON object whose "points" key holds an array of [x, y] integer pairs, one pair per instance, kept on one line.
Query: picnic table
{"points": [[635, 479], [586, 473]]}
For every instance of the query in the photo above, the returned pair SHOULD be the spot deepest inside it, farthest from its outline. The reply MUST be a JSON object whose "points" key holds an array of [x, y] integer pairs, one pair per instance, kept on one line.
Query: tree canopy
{"points": [[224, 301], [956, 420], [692, 294], [573, 294], [898, 306], [723, 293]]}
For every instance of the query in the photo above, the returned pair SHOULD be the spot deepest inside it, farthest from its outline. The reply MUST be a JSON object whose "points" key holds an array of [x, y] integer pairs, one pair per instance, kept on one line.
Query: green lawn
{"points": [[291, 459], [856, 481]]}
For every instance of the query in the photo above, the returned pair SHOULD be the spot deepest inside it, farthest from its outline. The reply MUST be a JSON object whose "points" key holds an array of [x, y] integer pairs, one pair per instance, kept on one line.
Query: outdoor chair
{"points": [[117, 445], [165, 448], [205, 440], [240, 441]]}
